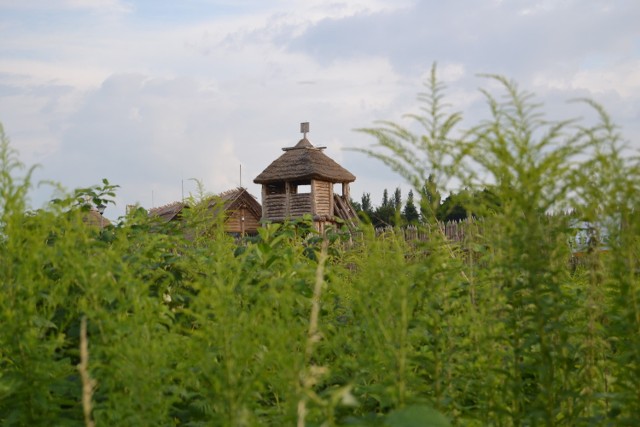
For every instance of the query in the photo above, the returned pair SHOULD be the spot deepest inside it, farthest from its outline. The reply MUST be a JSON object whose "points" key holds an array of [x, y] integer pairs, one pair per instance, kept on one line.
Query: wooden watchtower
{"points": [[304, 180]]}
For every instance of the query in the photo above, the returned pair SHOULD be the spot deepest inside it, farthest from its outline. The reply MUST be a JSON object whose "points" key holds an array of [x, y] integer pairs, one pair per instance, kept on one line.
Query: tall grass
{"points": [[184, 326]]}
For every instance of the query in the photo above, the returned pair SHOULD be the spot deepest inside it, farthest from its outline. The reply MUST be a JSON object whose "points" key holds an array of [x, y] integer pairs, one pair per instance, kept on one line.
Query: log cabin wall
{"points": [[322, 197], [300, 204], [274, 206], [234, 223]]}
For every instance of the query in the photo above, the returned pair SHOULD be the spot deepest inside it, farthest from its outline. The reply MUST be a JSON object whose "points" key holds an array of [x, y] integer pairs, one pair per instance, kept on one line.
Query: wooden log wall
{"points": [[322, 197], [233, 224], [275, 206], [300, 204]]}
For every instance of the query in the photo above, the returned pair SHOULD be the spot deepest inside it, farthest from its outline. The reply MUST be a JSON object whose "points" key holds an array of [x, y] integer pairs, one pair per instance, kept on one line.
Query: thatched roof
{"points": [[229, 200], [168, 212], [235, 199], [302, 162], [93, 217]]}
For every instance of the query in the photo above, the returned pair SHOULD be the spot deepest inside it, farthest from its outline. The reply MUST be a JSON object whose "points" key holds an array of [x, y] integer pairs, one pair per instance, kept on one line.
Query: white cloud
{"points": [[622, 79], [112, 90], [107, 6]]}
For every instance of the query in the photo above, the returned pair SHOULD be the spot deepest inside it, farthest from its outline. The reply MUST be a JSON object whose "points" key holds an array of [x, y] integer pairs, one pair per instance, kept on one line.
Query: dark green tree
{"points": [[410, 212], [385, 214], [364, 208], [397, 199], [461, 205], [367, 207], [453, 208]]}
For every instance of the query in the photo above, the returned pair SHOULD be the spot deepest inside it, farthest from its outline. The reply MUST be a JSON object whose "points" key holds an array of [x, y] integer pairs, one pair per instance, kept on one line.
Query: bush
{"points": [[192, 328]]}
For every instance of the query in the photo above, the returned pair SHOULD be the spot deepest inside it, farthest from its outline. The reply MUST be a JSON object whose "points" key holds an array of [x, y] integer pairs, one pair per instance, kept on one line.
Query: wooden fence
{"points": [[454, 231]]}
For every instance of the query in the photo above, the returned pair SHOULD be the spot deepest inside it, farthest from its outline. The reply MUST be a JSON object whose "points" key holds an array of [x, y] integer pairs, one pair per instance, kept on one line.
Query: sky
{"points": [[155, 94]]}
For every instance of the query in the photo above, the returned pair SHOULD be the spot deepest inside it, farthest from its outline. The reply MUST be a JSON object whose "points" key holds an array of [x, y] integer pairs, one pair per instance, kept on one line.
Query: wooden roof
{"points": [[167, 212], [235, 199], [303, 162], [93, 217], [231, 200]]}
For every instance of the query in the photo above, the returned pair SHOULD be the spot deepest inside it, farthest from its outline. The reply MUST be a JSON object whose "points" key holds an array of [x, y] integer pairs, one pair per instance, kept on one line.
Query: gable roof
{"points": [[302, 162], [168, 212], [231, 200], [93, 217], [235, 199]]}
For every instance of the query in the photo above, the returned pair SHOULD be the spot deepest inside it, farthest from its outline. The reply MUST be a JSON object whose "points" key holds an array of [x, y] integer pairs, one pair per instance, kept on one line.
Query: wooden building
{"points": [[304, 180], [94, 218], [241, 209]]}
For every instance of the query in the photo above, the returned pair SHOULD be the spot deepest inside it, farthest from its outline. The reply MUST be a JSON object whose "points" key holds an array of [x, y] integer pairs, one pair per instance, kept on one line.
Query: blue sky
{"points": [[151, 93]]}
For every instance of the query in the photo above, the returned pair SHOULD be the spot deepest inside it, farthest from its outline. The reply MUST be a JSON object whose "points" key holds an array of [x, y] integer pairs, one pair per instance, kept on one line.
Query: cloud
{"points": [[151, 94], [142, 129], [103, 6], [506, 37]]}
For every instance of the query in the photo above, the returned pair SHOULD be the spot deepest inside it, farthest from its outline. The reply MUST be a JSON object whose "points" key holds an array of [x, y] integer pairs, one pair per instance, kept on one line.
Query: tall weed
{"points": [[186, 326]]}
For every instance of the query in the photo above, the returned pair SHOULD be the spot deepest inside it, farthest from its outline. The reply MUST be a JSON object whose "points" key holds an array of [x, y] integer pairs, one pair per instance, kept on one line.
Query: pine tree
{"points": [[410, 211], [397, 199], [385, 198], [385, 214], [367, 207]]}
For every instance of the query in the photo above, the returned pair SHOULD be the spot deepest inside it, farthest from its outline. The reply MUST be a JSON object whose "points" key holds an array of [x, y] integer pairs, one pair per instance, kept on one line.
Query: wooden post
{"points": [[345, 191], [264, 203], [331, 204], [242, 221], [287, 199], [314, 192]]}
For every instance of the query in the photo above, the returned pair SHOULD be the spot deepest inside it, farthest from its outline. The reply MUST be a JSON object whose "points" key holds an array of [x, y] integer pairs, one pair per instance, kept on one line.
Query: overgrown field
{"points": [[295, 328]]}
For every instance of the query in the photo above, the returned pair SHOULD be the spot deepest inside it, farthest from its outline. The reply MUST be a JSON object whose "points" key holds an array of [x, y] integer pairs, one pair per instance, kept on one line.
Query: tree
{"points": [[410, 213], [385, 198], [367, 207], [364, 208], [453, 208], [464, 204], [397, 199], [385, 214]]}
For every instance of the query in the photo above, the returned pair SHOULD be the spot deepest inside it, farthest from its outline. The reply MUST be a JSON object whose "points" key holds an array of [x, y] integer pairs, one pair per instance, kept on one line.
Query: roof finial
{"points": [[304, 128]]}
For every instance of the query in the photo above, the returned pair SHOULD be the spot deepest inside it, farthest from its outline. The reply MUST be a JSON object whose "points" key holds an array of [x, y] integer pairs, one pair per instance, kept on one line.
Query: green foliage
{"points": [[186, 326]]}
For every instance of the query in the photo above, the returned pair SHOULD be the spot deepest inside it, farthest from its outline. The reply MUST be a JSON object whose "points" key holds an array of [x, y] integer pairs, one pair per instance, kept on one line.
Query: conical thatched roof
{"points": [[302, 162]]}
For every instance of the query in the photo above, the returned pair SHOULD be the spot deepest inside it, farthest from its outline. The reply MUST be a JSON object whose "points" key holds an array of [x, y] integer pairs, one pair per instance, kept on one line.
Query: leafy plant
{"points": [[187, 326]]}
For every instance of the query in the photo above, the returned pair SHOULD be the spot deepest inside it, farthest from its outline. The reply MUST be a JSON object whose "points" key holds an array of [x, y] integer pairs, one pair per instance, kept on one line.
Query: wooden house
{"points": [[241, 209], [94, 218], [303, 181]]}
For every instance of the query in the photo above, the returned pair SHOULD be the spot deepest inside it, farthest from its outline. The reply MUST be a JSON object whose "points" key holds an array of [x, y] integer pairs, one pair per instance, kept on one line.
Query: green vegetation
{"points": [[292, 327]]}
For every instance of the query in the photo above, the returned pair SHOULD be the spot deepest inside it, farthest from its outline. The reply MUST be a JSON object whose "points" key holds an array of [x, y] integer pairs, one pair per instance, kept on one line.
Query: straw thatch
{"points": [[168, 212], [235, 199], [241, 209], [304, 162], [94, 218]]}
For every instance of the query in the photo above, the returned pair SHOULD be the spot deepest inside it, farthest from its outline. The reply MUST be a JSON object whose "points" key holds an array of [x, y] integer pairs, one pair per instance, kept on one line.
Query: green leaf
{"points": [[416, 416]]}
